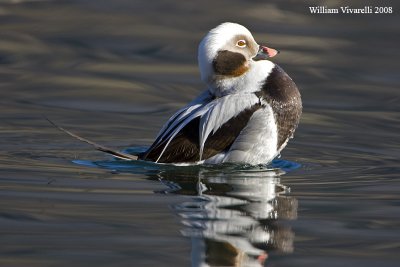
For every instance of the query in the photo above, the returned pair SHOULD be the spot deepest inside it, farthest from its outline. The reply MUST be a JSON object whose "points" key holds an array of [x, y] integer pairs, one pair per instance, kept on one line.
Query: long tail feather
{"points": [[115, 153]]}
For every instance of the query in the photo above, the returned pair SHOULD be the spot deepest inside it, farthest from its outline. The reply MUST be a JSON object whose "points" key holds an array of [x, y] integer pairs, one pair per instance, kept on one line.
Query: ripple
{"points": [[116, 70], [231, 205]]}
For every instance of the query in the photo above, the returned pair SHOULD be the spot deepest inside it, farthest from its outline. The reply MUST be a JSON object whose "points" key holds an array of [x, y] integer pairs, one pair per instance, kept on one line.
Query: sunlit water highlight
{"points": [[115, 71]]}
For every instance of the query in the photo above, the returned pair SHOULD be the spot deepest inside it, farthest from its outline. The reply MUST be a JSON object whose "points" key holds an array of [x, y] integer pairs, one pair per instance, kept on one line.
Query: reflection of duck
{"points": [[233, 217], [233, 213]]}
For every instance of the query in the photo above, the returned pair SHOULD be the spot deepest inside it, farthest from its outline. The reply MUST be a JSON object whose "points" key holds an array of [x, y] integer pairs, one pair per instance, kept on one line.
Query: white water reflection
{"points": [[233, 218]]}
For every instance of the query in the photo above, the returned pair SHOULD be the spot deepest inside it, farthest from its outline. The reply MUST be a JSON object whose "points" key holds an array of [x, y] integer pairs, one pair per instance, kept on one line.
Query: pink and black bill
{"points": [[265, 53]]}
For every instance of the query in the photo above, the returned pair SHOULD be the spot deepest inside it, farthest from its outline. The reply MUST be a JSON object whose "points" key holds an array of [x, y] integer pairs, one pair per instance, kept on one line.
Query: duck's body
{"points": [[247, 114]]}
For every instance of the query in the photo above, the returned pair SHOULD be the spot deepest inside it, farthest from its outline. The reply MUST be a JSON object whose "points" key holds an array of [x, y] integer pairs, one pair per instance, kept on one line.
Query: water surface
{"points": [[114, 71]]}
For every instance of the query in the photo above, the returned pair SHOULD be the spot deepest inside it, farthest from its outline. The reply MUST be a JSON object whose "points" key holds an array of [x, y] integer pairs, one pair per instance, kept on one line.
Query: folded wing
{"points": [[203, 129]]}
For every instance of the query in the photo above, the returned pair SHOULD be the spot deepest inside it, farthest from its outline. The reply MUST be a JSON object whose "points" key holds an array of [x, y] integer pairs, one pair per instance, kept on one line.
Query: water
{"points": [[114, 71]]}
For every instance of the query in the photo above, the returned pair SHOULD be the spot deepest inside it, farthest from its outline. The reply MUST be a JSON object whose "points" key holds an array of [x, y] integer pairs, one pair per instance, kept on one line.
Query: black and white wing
{"points": [[203, 129]]}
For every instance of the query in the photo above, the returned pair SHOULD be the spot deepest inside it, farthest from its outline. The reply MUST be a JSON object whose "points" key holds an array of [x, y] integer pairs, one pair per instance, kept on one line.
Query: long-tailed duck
{"points": [[247, 114]]}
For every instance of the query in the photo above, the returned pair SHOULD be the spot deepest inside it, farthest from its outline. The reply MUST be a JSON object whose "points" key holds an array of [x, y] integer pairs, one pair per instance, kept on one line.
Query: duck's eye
{"points": [[241, 43]]}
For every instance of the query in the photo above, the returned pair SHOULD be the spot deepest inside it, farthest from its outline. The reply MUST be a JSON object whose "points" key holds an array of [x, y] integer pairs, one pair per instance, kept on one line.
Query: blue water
{"points": [[115, 71], [232, 214]]}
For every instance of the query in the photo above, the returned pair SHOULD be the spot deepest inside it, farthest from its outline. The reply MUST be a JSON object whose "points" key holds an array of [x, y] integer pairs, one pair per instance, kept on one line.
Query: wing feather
{"points": [[202, 130]]}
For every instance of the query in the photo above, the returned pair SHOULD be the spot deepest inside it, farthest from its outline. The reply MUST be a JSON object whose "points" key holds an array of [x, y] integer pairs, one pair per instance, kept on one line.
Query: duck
{"points": [[247, 113]]}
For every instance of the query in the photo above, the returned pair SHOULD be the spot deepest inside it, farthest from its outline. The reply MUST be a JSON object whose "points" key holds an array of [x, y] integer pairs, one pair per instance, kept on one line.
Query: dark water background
{"points": [[114, 71]]}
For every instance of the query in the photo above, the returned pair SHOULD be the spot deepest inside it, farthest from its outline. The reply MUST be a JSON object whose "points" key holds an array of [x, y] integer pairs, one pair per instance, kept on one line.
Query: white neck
{"points": [[247, 83]]}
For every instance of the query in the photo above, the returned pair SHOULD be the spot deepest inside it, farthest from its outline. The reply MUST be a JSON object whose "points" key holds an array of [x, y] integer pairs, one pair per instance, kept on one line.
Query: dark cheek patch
{"points": [[229, 64]]}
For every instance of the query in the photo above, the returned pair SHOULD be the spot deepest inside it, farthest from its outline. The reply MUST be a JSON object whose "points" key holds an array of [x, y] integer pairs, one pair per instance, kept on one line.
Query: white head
{"points": [[228, 51]]}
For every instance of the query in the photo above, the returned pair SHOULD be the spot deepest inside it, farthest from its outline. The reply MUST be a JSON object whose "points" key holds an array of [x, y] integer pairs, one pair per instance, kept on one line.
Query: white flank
{"points": [[257, 143]]}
